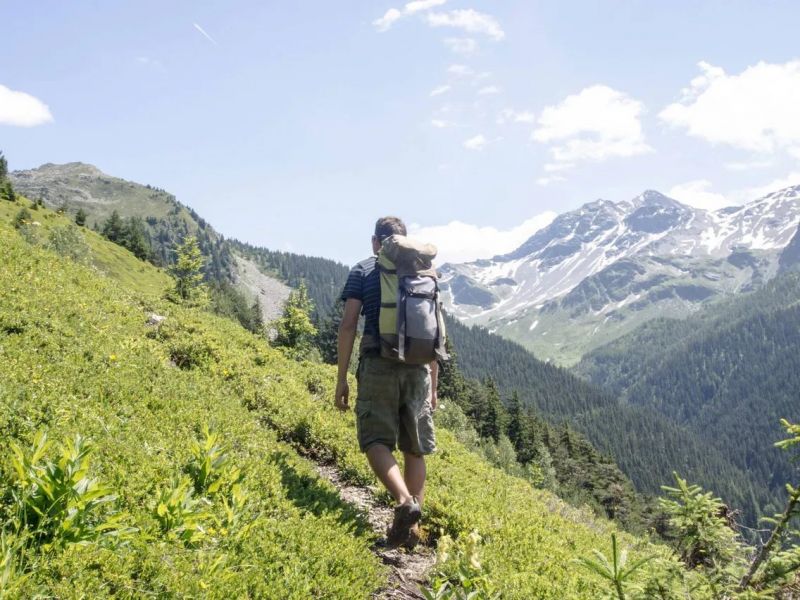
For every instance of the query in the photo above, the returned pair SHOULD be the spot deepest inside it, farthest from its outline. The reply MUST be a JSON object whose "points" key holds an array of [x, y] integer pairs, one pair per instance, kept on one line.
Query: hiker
{"points": [[397, 373]]}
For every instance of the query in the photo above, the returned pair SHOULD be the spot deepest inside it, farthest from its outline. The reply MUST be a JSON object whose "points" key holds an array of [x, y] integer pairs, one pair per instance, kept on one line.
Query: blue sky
{"points": [[295, 124]]}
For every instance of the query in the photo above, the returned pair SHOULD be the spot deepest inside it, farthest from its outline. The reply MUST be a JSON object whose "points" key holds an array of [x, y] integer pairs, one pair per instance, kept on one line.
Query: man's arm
{"points": [[347, 335], [434, 383]]}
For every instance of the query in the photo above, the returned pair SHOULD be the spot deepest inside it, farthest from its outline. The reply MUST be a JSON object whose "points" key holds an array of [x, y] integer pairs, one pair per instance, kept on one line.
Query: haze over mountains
{"points": [[597, 272]]}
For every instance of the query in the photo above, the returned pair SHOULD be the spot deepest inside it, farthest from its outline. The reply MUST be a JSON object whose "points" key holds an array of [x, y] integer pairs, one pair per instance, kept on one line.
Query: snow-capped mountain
{"points": [[596, 272]]}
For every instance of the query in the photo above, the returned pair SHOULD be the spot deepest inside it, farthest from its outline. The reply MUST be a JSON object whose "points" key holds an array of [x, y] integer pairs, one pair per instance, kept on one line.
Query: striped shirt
{"points": [[364, 283]]}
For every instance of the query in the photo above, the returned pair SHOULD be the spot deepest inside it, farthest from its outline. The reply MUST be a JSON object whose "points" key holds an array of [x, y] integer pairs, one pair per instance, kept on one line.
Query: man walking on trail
{"points": [[395, 399]]}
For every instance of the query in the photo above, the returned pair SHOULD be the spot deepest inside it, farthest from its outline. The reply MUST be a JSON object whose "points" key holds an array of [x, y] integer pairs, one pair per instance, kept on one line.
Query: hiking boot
{"points": [[414, 537], [406, 515]]}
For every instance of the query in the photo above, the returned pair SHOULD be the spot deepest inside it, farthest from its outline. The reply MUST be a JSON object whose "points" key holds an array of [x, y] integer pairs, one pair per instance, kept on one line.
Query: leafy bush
{"points": [[56, 502], [67, 241]]}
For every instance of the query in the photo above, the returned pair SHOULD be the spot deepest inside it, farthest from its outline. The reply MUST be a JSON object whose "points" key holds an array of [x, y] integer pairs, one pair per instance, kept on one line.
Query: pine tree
{"points": [[136, 239], [3, 167], [114, 228], [451, 380], [80, 217], [328, 334], [294, 329], [188, 273]]}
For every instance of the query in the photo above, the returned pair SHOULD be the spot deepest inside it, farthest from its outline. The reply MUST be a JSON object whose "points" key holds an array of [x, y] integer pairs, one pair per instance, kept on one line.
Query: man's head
{"points": [[386, 227]]}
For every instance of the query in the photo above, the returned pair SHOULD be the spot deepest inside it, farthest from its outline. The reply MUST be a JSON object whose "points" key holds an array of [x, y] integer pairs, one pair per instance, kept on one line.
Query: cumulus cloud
{"points": [[468, 20], [440, 124], [393, 15], [595, 124], [465, 46], [438, 91], [462, 242], [698, 193], [509, 115], [21, 109], [476, 143], [756, 110]]}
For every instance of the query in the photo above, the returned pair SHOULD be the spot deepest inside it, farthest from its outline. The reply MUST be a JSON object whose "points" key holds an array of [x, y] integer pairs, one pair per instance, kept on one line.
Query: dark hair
{"points": [[389, 226]]}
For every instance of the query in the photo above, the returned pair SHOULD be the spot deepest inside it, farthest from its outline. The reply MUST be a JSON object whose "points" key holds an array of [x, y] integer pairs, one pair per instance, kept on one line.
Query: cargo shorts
{"points": [[393, 406]]}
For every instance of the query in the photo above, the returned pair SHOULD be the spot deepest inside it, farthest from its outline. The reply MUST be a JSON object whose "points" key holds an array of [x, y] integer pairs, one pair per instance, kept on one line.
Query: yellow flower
{"points": [[112, 358]]}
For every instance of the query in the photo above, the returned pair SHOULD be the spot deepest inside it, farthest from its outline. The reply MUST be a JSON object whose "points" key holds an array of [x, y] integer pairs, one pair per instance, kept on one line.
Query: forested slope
{"points": [[728, 375], [646, 444]]}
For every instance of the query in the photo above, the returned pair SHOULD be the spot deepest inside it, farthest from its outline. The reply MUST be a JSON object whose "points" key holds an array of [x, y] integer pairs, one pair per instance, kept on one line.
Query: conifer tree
{"points": [[188, 273], [294, 329], [136, 239], [114, 228], [80, 217], [328, 334], [3, 167]]}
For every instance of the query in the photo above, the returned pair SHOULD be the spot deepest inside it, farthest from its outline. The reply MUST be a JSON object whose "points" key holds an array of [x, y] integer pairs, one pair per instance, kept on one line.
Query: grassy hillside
{"points": [[79, 358]]}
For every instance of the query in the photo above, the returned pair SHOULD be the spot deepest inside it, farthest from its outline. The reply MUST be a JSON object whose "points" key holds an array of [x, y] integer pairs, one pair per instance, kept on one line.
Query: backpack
{"points": [[410, 323]]}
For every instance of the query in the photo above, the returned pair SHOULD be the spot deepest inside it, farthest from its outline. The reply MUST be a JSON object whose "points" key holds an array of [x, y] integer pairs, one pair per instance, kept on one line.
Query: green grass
{"points": [[110, 259], [78, 358]]}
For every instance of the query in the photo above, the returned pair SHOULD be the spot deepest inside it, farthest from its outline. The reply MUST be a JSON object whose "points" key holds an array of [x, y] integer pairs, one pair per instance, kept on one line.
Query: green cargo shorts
{"points": [[393, 406]]}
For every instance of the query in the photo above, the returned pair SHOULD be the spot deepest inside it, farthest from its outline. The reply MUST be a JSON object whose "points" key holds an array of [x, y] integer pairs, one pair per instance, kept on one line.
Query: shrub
{"points": [[68, 241], [56, 501]]}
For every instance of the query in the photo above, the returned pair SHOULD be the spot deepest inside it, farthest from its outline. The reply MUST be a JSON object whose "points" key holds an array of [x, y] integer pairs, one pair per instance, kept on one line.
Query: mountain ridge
{"points": [[599, 271]]}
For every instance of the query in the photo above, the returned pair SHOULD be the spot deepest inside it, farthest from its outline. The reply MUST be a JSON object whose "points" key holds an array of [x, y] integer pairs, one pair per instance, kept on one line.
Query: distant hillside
{"points": [[726, 375], [647, 445]]}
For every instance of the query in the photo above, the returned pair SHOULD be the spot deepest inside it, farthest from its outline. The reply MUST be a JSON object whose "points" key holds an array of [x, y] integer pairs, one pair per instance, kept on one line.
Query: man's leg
{"points": [[386, 469], [414, 475]]}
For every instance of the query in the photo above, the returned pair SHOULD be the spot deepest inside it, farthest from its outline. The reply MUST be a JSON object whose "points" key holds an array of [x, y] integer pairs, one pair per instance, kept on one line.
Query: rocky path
{"points": [[409, 570]]}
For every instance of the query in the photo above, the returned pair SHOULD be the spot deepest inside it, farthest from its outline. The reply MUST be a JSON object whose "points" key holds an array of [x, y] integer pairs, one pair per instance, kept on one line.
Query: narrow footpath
{"points": [[409, 570]]}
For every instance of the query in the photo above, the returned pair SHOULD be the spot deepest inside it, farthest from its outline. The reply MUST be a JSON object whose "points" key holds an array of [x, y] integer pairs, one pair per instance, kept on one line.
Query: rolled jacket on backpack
{"points": [[410, 256]]}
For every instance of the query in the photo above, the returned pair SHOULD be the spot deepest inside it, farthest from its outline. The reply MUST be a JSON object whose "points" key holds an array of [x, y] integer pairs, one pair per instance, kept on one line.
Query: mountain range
{"points": [[597, 272]]}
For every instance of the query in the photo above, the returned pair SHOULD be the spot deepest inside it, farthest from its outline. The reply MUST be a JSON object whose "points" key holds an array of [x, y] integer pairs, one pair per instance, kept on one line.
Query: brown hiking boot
{"points": [[406, 515], [414, 537]]}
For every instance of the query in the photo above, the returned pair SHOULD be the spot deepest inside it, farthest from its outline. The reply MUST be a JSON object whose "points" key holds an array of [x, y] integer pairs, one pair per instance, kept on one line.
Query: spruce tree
{"points": [[80, 217], [114, 228], [188, 273], [3, 167], [294, 329], [136, 239]]}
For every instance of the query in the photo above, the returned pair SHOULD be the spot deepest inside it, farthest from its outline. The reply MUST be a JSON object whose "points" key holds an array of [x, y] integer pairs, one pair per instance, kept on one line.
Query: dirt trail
{"points": [[409, 570]]}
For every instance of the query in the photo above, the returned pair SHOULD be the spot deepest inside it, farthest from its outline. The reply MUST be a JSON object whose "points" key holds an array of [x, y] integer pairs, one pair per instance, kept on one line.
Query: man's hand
{"points": [[434, 400], [342, 395]]}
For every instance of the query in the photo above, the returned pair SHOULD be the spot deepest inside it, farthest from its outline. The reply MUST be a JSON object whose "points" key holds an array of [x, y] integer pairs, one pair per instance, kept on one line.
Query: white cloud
{"points": [[509, 115], [469, 20], [465, 46], [21, 109], [489, 90], [205, 34], [385, 22], [462, 242], [476, 143], [755, 192], [440, 124], [698, 193], [151, 62], [393, 15], [756, 110], [595, 124], [438, 91], [460, 70]]}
